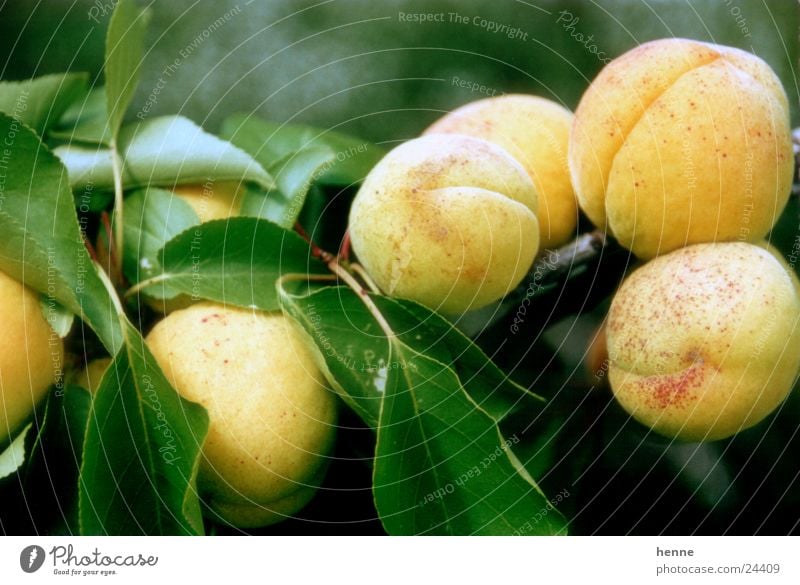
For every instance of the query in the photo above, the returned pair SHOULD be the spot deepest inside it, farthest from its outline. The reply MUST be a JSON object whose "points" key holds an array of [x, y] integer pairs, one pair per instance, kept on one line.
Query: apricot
{"points": [[211, 201], [91, 375], [535, 131], [31, 355], [679, 142], [596, 358], [446, 220], [272, 420], [703, 341]]}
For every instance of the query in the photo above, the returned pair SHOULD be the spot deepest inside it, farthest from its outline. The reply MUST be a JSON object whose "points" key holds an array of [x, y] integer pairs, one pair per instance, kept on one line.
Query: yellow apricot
{"points": [[782, 259], [31, 355], [211, 201], [446, 220], [272, 420], [90, 376], [703, 341], [596, 358], [255, 516], [679, 142], [535, 131]]}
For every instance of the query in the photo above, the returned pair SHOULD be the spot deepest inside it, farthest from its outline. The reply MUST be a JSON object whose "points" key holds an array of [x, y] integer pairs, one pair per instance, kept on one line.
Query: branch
{"points": [[569, 280]]}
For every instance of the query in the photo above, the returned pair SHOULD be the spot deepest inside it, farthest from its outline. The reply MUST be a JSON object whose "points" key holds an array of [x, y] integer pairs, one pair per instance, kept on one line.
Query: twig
{"points": [[90, 248], [344, 249], [585, 247], [565, 281], [316, 251]]}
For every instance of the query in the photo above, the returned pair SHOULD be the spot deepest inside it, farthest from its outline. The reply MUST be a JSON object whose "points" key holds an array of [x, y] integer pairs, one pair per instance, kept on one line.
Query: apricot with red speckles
{"points": [[680, 142], [446, 220], [703, 342], [271, 419]]}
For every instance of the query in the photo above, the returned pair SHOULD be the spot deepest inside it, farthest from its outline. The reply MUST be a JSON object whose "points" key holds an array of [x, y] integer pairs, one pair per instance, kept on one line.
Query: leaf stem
{"points": [[350, 281], [307, 277], [140, 286], [112, 292], [111, 254], [343, 273], [116, 164], [358, 269]]}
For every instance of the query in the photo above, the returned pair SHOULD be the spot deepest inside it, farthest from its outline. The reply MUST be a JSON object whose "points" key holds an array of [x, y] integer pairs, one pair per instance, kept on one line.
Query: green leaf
{"points": [[42, 243], [51, 473], [142, 451], [162, 152], [235, 261], [90, 201], [486, 384], [359, 371], [85, 120], [40, 102], [441, 463], [152, 218], [125, 41], [350, 347], [270, 142], [294, 176], [59, 318]]}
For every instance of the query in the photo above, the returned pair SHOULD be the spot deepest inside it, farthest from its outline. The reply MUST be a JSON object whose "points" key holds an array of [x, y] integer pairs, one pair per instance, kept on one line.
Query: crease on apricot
{"points": [[720, 56], [626, 133], [671, 389]]}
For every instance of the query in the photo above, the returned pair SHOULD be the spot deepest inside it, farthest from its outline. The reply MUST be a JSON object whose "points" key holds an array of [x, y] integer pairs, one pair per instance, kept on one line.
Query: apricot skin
{"points": [[31, 355], [272, 421], [446, 220], [703, 341], [535, 131], [680, 142], [213, 201], [91, 375]]}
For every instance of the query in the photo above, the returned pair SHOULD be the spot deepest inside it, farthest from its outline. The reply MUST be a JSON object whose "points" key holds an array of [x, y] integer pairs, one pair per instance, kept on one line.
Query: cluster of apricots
{"points": [[679, 149]]}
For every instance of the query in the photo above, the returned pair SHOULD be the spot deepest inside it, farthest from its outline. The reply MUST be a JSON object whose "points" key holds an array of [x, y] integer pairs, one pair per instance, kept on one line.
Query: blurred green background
{"points": [[361, 66], [370, 69]]}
